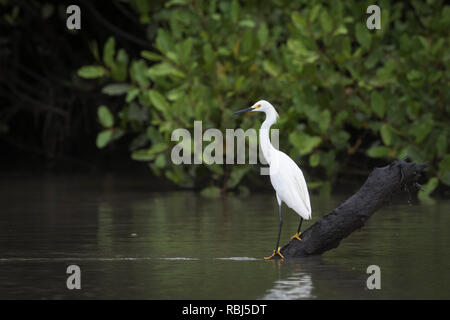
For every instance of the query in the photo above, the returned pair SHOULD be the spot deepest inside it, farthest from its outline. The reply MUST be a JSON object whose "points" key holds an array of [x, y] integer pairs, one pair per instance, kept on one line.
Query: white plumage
{"points": [[290, 185], [286, 177]]}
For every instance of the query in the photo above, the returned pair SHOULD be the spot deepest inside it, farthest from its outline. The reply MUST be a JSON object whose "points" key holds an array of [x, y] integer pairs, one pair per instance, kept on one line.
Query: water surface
{"points": [[132, 242]]}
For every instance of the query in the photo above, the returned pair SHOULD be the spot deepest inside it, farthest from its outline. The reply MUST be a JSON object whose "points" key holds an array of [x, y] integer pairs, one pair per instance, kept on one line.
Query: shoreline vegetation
{"points": [[107, 97]]}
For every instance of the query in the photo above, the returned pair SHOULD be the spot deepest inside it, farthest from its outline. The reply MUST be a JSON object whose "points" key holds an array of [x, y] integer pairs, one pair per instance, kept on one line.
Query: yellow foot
{"points": [[274, 254], [297, 236]]}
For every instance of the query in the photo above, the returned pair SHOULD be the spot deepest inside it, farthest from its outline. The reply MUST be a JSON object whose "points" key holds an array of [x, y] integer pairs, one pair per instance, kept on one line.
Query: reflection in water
{"points": [[297, 286], [133, 243], [239, 259]]}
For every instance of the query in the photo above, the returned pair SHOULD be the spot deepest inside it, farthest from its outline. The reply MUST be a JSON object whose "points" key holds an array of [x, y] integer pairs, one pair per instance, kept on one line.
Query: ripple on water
{"points": [[238, 259]]}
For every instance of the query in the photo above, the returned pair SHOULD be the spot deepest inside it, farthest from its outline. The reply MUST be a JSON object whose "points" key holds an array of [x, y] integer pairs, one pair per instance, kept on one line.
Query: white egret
{"points": [[286, 177]]}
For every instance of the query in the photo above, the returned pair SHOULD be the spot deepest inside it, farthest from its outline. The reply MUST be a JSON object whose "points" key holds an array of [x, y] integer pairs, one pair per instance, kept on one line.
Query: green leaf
{"points": [[235, 8], [138, 72], [340, 139], [157, 148], [151, 55], [299, 21], [428, 188], [208, 54], [297, 47], [211, 192], [163, 40], [150, 153], [386, 134], [340, 30], [271, 68], [172, 3], [377, 103], [314, 159], [363, 35], [176, 93], [173, 56], [378, 151], [109, 51], [105, 116], [117, 133], [91, 72], [158, 101], [303, 142], [103, 138], [133, 93], [340, 117], [325, 22], [324, 120], [416, 154], [247, 23], [263, 34], [164, 69], [185, 49], [314, 13], [115, 89], [422, 127], [161, 69], [414, 75], [142, 155], [160, 161], [120, 68]]}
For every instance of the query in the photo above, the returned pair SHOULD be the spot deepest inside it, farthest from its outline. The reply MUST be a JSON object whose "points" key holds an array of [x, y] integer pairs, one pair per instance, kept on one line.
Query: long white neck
{"points": [[264, 136]]}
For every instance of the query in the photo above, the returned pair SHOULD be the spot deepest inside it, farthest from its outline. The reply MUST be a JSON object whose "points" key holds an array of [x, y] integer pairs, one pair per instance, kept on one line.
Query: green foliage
{"points": [[103, 138], [424, 195], [92, 72], [105, 117], [211, 192], [341, 90]]}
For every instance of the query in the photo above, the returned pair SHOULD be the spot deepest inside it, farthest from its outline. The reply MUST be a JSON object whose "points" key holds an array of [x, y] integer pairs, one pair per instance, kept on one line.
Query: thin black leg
{"points": [[279, 230], [300, 225]]}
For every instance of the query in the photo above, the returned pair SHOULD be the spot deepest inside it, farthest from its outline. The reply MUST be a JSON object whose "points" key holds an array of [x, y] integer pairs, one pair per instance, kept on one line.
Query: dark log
{"points": [[351, 215]]}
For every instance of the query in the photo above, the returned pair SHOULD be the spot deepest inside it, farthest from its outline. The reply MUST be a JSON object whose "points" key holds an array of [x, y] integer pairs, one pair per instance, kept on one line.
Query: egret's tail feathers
{"points": [[309, 216], [305, 214]]}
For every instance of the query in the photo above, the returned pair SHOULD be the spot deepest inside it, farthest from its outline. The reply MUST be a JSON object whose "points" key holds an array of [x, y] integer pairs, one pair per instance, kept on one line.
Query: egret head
{"points": [[260, 106]]}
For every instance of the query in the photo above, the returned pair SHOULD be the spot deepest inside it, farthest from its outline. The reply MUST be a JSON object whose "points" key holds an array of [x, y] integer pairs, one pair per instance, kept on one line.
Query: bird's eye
{"points": [[257, 106]]}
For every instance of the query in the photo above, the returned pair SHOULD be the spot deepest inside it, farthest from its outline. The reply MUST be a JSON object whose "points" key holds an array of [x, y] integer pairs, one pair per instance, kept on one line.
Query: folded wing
{"points": [[290, 185]]}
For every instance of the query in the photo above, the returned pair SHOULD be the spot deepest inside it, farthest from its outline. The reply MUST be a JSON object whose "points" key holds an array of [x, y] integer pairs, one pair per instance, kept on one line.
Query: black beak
{"points": [[244, 110]]}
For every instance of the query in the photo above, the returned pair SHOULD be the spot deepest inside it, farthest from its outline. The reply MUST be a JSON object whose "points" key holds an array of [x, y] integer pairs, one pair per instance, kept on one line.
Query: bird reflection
{"points": [[296, 286]]}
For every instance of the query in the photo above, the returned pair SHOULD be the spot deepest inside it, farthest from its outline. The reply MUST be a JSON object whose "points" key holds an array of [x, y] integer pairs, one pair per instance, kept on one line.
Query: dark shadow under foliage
{"points": [[48, 117]]}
